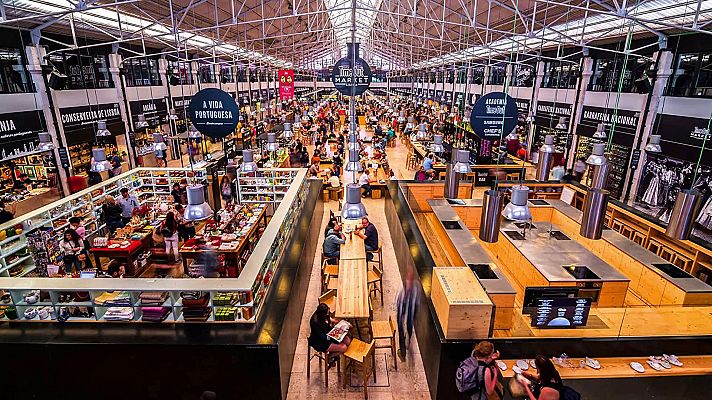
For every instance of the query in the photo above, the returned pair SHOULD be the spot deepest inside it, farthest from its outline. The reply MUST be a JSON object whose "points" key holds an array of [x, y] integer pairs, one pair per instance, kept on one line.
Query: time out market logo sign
{"points": [[700, 133], [494, 116], [213, 112], [351, 77]]}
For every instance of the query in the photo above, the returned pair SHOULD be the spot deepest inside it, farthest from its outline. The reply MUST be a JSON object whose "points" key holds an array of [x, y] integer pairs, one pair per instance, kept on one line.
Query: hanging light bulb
{"points": [[158, 142], [287, 133], [562, 125], [437, 145], [101, 130], [354, 164], [141, 124], [518, 208], [353, 208], [193, 133], [597, 156], [248, 162], [45, 142], [197, 209], [600, 131], [271, 142], [98, 161], [653, 145], [462, 162]]}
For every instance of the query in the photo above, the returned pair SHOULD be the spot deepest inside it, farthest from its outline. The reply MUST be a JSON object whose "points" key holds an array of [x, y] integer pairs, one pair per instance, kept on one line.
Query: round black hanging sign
{"points": [[494, 116], [344, 76], [213, 112]]}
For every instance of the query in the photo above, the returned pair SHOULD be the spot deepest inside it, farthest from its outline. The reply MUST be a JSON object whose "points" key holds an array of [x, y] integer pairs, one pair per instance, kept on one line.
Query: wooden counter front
{"points": [[463, 307]]}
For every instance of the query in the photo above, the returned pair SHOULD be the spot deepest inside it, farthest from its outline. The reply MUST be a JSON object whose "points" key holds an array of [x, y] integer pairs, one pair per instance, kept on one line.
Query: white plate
{"points": [[637, 367], [672, 359], [532, 364], [523, 365], [655, 365], [593, 363], [501, 365]]}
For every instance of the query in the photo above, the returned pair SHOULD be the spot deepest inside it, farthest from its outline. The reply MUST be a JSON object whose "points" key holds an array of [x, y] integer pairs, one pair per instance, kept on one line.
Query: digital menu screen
{"points": [[561, 313]]}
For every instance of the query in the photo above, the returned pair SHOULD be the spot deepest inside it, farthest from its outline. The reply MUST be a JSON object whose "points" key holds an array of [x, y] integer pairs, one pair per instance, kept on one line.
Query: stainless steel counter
{"points": [[468, 248], [636, 251], [549, 255]]}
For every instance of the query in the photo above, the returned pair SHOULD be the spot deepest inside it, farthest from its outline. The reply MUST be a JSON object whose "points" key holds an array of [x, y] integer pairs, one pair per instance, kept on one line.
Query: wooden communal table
{"points": [[353, 249], [352, 290], [619, 367], [195, 252]]}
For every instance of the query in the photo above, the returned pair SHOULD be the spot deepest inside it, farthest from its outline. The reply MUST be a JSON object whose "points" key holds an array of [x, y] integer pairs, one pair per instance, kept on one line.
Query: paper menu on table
{"points": [[339, 331]]}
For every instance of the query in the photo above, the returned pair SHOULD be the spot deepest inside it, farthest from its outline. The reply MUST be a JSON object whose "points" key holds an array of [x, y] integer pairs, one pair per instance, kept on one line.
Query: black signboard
{"points": [[19, 131], [459, 99], [181, 102], [634, 159], [213, 112], [682, 137], [351, 75], [244, 98], [547, 113], [522, 106], [626, 123], [79, 122], [561, 312], [63, 157], [155, 110], [494, 116], [254, 95], [263, 93], [438, 95], [448, 97]]}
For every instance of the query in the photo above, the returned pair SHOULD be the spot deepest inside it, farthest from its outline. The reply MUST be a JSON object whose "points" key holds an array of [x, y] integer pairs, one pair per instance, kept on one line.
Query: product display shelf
{"points": [[17, 258], [264, 186], [246, 293]]}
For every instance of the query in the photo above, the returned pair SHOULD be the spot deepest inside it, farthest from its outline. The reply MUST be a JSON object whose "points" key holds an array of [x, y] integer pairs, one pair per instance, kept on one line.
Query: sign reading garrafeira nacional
{"points": [[351, 74], [213, 112]]}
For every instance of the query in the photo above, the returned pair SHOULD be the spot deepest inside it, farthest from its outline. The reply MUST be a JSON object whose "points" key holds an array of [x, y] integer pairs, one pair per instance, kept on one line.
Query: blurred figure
{"points": [[406, 302]]}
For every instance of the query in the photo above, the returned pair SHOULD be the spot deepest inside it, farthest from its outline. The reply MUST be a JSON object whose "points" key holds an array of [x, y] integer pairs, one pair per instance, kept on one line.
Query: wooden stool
{"points": [[666, 253], [325, 195], [385, 330], [359, 357], [322, 356], [514, 176], [681, 261], [470, 177], [332, 283], [616, 225], [329, 298], [328, 271], [441, 176], [336, 194], [627, 231], [374, 278], [639, 237], [377, 256]]}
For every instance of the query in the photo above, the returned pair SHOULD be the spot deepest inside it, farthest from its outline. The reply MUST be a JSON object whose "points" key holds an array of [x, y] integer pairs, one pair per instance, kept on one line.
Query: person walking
{"points": [[406, 302]]}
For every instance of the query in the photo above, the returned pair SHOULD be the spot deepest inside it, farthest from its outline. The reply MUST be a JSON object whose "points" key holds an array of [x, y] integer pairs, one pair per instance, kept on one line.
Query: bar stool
{"points": [[328, 271], [375, 282], [666, 253], [681, 261], [377, 256], [616, 225], [627, 231], [322, 356], [441, 176], [332, 283], [360, 358], [654, 246], [638, 237], [514, 176], [385, 330]]}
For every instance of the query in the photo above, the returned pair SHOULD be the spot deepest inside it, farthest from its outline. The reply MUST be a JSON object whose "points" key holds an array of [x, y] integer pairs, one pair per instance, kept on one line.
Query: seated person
{"points": [[332, 243], [365, 182], [369, 234], [334, 182], [320, 324], [23, 183]]}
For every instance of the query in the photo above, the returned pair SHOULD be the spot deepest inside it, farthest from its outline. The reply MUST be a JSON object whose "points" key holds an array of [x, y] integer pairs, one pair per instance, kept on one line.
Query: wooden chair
{"points": [[329, 298], [360, 358], [654, 246], [385, 330], [639, 237], [667, 253], [441, 176], [375, 282], [616, 225], [682, 261], [377, 256], [332, 283], [334, 216], [514, 176], [322, 356], [627, 231]]}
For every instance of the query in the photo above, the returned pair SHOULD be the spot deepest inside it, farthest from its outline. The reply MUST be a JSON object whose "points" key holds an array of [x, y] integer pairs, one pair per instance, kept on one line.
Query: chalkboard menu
{"points": [[561, 312]]}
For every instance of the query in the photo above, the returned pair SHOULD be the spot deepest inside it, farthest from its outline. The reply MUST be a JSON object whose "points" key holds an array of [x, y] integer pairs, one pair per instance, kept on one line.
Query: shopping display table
{"points": [[128, 253]]}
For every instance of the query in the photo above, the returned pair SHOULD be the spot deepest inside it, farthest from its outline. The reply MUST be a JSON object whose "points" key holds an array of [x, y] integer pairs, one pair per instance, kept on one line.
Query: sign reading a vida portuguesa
{"points": [[351, 75], [213, 112]]}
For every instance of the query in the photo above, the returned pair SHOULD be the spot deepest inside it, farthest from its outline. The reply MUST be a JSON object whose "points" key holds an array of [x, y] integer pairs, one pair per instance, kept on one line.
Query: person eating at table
{"points": [[365, 182], [369, 234], [334, 181], [332, 244], [320, 324]]}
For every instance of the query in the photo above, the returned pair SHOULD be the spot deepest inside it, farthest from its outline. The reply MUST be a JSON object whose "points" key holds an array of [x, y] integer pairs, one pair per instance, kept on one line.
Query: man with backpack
{"points": [[477, 376]]}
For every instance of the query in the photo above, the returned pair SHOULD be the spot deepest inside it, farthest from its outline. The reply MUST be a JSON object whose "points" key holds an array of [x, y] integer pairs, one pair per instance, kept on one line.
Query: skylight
{"points": [[340, 15]]}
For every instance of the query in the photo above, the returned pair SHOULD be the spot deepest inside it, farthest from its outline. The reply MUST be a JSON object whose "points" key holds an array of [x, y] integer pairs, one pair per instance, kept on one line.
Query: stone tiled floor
{"points": [[409, 381]]}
